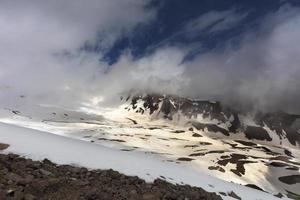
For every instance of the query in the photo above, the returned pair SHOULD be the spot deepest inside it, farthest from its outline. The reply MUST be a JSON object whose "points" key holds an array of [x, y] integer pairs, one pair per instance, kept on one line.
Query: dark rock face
{"points": [[293, 179], [254, 187], [31, 180], [278, 164], [235, 196], [251, 144], [210, 127], [216, 168], [189, 108], [284, 125], [172, 104], [259, 133]]}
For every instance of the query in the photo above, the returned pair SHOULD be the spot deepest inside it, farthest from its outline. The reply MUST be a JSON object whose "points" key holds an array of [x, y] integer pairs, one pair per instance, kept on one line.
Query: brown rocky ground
{"points": [[24, 179]]}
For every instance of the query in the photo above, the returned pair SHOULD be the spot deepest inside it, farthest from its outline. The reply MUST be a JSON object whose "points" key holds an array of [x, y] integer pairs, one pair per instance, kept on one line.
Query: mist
{"points": [[262, 73], [40, 58]]}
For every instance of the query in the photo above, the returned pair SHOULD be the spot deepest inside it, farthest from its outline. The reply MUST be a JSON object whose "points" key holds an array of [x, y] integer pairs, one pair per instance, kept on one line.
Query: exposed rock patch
{"points": [[3, 146], [239, 160], [258, 133], [211, 128], [293, 179], [185, 159]]}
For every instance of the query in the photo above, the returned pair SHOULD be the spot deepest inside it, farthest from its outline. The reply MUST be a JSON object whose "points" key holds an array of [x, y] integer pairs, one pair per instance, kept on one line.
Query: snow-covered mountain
{"points": [[258, 150], [275, 128]]}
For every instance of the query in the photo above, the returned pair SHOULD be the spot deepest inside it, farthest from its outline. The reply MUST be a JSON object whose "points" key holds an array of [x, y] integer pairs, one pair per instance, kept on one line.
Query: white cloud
{"points": [[214, 21], [34, 35]]}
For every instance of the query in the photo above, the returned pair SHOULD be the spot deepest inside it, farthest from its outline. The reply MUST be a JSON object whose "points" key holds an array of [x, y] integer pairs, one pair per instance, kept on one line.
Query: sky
{"points": [[76, 52]]}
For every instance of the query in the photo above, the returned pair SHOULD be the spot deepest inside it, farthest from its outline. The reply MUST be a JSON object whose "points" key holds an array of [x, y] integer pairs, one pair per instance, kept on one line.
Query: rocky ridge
{"points": [[218, 118]]}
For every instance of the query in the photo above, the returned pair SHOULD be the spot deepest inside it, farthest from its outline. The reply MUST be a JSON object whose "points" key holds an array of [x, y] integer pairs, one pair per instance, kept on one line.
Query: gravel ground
{"points": [[22, 178]]}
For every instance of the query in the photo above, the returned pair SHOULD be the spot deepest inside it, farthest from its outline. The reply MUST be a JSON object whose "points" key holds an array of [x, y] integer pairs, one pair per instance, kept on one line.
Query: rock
{"points": [[133, 192], [91, 194], [12, 176], [75, 170], [234, 195], [279, 195], [25, 179], [45, 172], [3, 146], [171, 195], [2, 194], [47, 162], [258, 133], [196, 135], [18, 195], [29, 197], [81, 183], [149, 196], [10, 192], [223, 193], [35, 165]]}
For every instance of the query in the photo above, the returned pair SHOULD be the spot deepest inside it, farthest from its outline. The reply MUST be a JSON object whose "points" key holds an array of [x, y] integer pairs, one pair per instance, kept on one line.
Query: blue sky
{"points": [[169, 25]]}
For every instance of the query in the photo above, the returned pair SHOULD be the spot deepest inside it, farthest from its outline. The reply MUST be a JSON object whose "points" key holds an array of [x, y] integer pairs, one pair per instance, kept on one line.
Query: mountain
{"points": [[258, 150], [277, 128]]}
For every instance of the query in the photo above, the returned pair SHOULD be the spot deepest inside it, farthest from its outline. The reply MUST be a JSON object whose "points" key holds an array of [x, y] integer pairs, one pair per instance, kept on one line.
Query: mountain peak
{"points": [[276, 127]]}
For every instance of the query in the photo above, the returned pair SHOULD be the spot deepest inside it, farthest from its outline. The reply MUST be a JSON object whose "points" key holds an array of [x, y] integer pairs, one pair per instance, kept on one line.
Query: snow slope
{"points": [[63, 150]]}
